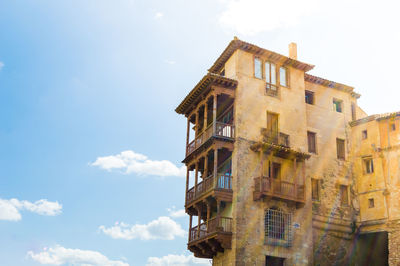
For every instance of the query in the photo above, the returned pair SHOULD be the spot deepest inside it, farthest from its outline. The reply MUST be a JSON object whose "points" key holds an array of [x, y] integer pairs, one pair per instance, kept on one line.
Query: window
{"points": [[344, 196], [312, 145], [283, 76], [278, 227], [309, 97], [270, 78], [353, 111], [371, 203], [257, 68], [368, 165], [393, 127], [222, 73], [315, 189], [337, 105], [364, 134], [340, 149]]}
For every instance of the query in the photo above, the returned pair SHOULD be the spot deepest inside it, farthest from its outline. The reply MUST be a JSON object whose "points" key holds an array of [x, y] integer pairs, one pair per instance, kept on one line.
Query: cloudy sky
{"points": [[90, 154]]}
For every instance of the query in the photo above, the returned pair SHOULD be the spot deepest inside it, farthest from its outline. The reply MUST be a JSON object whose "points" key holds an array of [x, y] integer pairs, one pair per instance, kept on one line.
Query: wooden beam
{"points": [[196, 177]]}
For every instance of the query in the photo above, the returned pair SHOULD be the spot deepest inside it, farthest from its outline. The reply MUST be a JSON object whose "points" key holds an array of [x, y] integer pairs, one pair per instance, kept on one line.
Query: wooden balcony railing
{"points": [[272, 90], [215, 225], [221, 130], [220, 182], [278, 188], [274, 137]]}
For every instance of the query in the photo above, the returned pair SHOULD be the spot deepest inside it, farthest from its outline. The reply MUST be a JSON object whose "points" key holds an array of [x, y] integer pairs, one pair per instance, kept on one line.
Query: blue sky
{"points": [[87, 97]]}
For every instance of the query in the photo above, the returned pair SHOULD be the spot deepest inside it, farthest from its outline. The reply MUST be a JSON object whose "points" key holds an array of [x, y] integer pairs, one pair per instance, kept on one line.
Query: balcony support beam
{"points": [[205, 116], [206, 165], [215, 99], [196, 177], [215, 162], [187, 181], [190, 227]]}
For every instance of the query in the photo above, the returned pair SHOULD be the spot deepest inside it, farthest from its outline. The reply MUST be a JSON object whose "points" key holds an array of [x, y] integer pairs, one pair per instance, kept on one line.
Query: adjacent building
{"points": [[284, 168]]}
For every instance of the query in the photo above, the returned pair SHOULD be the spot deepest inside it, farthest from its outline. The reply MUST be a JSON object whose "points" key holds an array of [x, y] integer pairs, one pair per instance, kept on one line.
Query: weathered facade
{"points": [[284, 168]]}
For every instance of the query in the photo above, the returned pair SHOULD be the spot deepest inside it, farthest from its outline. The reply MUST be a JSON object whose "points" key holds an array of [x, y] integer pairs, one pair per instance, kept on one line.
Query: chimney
{"points": [[293, 50]]}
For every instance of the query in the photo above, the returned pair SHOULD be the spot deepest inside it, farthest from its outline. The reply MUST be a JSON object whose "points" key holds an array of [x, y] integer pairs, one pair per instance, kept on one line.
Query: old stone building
{"points": [[284, 168]]}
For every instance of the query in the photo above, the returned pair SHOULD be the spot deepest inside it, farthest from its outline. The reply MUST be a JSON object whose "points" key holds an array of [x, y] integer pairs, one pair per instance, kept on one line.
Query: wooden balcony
{"points": [[275, 188], [219, 186], [277, 138], [221, 130], [208, 238]]}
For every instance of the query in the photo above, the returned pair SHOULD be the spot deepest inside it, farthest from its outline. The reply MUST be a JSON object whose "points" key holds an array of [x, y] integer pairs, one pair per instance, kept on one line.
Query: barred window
{"points": [[278, 231]]}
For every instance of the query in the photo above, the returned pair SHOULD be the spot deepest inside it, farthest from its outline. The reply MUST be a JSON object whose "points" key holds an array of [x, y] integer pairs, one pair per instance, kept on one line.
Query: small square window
{"points": [[309, 97], [368, 165], [371, 203], [393, 127], [337, 105], [364, 134]]}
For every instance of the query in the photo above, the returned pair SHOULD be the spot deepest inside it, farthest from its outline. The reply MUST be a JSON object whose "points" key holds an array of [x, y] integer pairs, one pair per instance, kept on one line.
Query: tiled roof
{"points": [[331, 84], [248, 47], [201, 87], [377, 117]]}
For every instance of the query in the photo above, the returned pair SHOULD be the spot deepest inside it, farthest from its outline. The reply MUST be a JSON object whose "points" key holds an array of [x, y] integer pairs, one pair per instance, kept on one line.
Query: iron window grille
{"points": [[278, 229]]}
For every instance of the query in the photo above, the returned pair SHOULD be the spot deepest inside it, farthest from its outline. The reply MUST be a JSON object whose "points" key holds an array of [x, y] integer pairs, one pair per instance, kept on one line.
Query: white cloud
{"points": [[249, 17], [132, 162], [170, 62], [9, 209], [59, 255], [162, 228], [1, 65], [158, 15], [177, 260], [176, 213]]}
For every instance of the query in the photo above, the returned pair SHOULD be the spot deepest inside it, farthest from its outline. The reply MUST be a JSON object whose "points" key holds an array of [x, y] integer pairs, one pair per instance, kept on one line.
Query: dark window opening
{"points": [[337, 105], [274, 261], [340, 149], [393, 127], [368, 165], [312, 144], [364, 134], [309, 97], [371, 203]]}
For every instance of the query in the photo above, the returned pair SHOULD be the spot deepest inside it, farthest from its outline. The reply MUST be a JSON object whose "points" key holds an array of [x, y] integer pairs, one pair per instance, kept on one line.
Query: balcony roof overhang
{"points": [[278, 150], [201, 89], [251, 48]]}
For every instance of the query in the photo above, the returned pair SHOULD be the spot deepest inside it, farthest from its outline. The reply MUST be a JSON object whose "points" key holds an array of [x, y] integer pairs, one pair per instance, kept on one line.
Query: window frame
{"points": [[261, 67], [310, 133], [338, 154], [315, 182], [286, 77], [368, 165], [313, 97], [371, 203], [335, 106], [364, 134]]}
